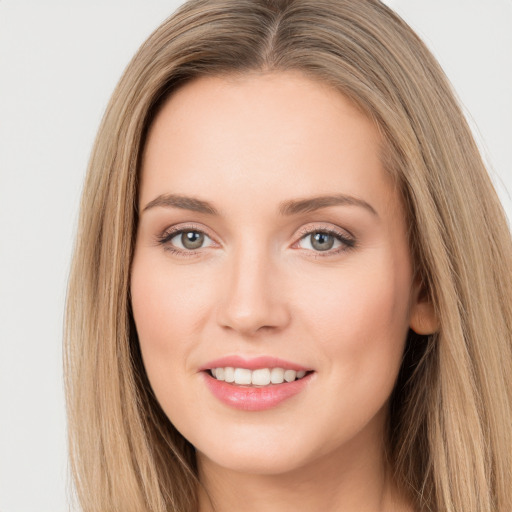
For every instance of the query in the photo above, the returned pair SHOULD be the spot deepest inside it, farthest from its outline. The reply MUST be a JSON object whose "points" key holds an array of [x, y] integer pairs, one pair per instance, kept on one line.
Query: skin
{"points": [[257, 286]]}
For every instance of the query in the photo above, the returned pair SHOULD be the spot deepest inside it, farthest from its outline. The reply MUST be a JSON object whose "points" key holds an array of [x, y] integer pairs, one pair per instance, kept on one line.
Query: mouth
{"points": [[256, 384], [259, 377]]}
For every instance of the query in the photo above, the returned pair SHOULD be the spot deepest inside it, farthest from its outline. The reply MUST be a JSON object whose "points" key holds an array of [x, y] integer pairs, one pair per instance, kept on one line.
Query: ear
{"points": [[423, 318]]}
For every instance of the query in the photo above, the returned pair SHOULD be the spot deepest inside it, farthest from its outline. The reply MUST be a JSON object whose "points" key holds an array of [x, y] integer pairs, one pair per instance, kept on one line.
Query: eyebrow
{"points": [[182, 202], [293, 207], [287, 208]]}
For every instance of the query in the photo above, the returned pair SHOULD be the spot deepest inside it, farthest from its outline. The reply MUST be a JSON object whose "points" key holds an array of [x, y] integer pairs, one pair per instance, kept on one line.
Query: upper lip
{"points": [[253, 363]]}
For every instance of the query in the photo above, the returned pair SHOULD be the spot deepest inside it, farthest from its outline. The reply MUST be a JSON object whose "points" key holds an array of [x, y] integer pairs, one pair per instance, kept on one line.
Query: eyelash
{"points": [[165, 238], [348, 242]]}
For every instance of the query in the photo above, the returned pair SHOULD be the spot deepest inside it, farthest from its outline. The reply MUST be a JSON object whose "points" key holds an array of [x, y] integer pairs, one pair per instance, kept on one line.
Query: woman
{"points": [[292, 278]]}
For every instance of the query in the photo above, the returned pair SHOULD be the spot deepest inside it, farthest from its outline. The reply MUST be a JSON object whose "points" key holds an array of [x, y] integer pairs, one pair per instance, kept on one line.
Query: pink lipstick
{"points": [[255, 384]]}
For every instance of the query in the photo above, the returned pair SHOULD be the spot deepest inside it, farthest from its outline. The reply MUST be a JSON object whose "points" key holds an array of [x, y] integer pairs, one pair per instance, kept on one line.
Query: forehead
{"points": [[258, 132]]}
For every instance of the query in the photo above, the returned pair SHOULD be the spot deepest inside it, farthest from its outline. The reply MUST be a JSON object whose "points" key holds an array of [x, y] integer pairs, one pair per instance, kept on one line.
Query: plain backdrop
{"points": [[59, 62]]}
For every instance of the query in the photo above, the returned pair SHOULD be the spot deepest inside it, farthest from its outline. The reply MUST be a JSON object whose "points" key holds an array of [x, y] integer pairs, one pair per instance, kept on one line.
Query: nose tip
{"points": [[250, 320], [254, 301]]}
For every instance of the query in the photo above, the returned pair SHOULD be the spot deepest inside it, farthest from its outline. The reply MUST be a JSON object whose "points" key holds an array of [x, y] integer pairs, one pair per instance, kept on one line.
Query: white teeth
{"points": [[259, 377], [229, 374], [277, 375], [290, 375], [242, 376]]}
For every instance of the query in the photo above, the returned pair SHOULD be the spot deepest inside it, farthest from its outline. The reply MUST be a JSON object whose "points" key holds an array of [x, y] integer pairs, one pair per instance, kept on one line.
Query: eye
{"points": [[185, 240], [325, 240]]}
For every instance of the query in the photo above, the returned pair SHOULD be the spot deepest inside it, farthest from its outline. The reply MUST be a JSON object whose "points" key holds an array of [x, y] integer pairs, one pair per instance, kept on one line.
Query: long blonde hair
{"points": [[450, 435]]}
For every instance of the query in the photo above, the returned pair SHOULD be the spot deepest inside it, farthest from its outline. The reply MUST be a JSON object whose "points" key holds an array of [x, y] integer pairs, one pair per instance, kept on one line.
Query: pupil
{"points": [[322, 241], [192, 239]]}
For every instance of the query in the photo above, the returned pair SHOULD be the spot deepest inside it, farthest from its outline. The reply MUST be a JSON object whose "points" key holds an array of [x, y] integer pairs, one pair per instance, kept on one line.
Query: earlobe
{"points": [[423, 317]]}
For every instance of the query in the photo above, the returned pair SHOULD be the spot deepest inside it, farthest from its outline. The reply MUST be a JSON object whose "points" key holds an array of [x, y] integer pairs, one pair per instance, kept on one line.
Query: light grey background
{"points": [[59, 62]]}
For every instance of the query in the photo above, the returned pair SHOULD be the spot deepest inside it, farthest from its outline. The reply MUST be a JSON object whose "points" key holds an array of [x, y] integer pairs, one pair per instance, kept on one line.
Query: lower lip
{"points": [[248, 398]]}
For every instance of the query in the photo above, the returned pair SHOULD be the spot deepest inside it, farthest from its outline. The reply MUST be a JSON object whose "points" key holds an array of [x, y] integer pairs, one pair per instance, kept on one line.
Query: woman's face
{"points": [[272, 243]]}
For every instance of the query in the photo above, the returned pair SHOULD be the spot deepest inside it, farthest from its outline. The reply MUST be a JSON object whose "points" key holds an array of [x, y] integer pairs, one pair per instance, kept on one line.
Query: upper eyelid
{"points": [[177, 229], [342, 232]]}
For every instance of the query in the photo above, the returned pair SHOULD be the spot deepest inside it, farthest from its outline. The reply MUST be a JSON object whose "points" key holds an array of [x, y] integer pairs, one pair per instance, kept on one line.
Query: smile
{"points": [[256, 384], [257, 377]]}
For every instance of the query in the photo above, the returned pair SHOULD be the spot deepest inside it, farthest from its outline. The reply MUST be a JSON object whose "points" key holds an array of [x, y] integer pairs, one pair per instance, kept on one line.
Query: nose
{"points": [[254, 295]]}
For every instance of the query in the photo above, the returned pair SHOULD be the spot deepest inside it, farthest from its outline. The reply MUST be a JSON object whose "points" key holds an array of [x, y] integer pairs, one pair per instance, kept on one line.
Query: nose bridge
{"points": [[253, 297]]}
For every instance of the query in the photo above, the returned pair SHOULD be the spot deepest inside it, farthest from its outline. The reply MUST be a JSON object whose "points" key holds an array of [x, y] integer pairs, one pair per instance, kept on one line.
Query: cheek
{"points": [[359, 321], [167, 309], [165, 294], [360, 316]]}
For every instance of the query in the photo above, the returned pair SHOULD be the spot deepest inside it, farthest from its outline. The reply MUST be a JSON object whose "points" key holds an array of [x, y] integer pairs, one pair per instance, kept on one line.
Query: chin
{"points": [[256, 462], [274, 454]]}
